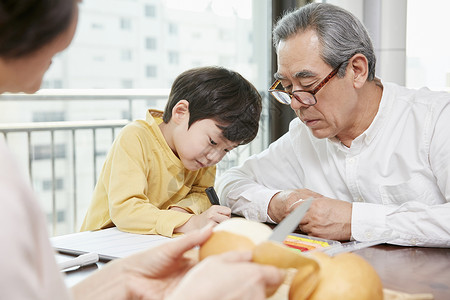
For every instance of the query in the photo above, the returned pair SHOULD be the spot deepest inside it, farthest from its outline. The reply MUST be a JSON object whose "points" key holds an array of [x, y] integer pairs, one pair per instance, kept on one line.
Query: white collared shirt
{"points": [[396, 174]]}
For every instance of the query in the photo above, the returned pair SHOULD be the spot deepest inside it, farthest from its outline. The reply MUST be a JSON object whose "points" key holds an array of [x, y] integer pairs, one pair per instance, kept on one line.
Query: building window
{"points": [[226, 60], [150, 43], [125, 23], [173, 29], [150, 11], [98, 58], [96, 26], [150, 71], [126, 55], [127, 83], [57, 84], [174, 58], [41, 152], [52, 84], [49, 116], [225, 35], [47, 184], [126, 114], [60, 216]]}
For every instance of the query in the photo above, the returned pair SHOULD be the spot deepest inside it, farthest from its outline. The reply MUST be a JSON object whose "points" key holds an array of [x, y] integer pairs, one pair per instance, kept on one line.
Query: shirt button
{"points": [[351, 160]]}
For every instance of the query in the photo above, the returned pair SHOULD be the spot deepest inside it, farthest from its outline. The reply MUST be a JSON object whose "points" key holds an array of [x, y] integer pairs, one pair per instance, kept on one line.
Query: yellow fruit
{"points": [[242, 234], [224, 241], [234, 234], [345, 276]]}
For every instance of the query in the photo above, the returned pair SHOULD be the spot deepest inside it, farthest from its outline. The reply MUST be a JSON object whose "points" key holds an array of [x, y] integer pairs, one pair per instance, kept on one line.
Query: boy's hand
{"points": [[214, 215]]}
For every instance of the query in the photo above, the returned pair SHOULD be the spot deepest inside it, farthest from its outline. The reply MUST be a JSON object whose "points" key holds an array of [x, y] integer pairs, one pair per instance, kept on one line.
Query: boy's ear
{"points": [[180, 111]]}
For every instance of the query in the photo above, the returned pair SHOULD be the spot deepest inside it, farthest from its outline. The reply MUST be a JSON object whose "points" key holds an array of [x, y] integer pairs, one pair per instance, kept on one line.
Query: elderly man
{"points": [[374, 155]]}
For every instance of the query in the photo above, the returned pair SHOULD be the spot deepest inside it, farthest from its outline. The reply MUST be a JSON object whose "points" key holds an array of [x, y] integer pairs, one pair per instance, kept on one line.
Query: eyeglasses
{"points": [[305, 97]]}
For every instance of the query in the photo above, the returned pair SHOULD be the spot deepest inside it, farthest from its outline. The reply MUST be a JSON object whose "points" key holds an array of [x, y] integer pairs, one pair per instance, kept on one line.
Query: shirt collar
{"points": [[375, 127]]}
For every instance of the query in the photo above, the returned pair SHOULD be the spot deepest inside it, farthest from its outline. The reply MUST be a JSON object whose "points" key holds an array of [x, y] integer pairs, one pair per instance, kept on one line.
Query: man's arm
{"points": [[249, 188], [423, 219]]}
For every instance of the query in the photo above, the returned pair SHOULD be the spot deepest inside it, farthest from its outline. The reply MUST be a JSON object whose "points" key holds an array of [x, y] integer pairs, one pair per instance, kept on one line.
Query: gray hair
{"points": [[340, 33]]}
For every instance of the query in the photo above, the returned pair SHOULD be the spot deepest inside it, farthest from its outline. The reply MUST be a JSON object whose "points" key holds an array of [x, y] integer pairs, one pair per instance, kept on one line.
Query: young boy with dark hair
{"points": [[155, 175]]}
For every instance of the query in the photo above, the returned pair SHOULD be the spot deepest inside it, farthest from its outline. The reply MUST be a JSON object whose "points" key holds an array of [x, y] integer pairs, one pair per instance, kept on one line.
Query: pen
{"points": [[79, 261], [212, 196], [355, 245]]}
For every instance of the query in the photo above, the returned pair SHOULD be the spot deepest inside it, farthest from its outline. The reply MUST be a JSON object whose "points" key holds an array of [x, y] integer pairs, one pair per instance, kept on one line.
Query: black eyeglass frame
{"points": [[273, 89]]}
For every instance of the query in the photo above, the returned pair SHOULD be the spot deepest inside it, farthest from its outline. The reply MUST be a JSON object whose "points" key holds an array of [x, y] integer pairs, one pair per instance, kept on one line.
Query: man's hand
{"points": [[283, 202], [326, 218], [329, 219]]}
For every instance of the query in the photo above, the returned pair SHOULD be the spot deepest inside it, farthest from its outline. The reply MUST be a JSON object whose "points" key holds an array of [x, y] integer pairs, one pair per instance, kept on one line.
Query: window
{"points": [[96, 26], [173, 29], [150, 71], [49, 116], [427, 52], [41, 152], [150, 11], [225, 35], [150, 43], [98, 58], [60, 216], [125, 24], [139, 44], [57, 84], [127, 83], [47, 184], [126, 55], [174, 58], [52, 84]]}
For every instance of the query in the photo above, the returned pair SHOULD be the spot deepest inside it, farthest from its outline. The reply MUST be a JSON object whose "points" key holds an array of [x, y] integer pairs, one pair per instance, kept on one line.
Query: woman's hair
{"points": [[27, 25], [340, 33], [219, 94]]}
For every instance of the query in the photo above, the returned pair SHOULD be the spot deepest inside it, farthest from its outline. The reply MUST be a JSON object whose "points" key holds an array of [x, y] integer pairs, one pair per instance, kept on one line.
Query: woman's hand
{"points": [[231, 275], [165, 273], [149, 274]]}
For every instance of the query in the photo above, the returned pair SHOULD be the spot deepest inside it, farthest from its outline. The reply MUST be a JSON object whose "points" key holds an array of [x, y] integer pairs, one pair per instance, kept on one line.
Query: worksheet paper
{"points": [[108, 243]]}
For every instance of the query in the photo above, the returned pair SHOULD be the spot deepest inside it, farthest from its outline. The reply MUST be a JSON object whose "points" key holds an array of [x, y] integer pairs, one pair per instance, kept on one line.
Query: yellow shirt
{"points": [[141, 179]]}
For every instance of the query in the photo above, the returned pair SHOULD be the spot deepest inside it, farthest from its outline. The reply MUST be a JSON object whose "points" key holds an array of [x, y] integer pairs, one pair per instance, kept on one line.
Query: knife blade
{"points": [[288, 224]]}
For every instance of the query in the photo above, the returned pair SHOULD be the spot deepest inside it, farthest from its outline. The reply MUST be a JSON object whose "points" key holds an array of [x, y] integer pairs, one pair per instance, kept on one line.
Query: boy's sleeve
{"points": [[125, 181], [196, 200]]}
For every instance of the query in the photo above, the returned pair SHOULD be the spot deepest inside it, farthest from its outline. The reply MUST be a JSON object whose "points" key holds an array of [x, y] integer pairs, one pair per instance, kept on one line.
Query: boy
{"points": [[155, 174]]}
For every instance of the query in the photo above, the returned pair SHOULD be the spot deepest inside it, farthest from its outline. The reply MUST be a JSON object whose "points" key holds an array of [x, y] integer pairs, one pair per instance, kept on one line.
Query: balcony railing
{"points": [[64, 158]]}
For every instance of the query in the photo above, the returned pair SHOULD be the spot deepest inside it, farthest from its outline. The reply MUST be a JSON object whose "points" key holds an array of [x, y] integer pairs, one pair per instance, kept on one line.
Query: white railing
{"points": [[63, 158]]}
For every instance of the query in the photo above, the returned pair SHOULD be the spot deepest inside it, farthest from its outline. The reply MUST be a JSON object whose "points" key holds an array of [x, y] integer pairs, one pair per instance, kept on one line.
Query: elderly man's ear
{"points": [[360, 69]]}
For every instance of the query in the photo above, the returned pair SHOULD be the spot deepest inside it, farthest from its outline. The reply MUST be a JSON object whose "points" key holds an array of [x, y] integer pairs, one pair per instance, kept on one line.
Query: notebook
{"points": [[108, 243]]}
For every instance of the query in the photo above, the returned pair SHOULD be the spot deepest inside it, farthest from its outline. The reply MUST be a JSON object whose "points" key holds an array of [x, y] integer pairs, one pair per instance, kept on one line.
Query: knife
{"points": [[288, 224]]}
